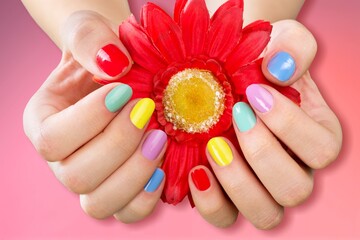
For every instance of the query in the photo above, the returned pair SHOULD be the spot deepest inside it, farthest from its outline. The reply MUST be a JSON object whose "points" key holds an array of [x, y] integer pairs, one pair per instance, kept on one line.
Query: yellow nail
{"points": [[220, 151], [142, 112]]}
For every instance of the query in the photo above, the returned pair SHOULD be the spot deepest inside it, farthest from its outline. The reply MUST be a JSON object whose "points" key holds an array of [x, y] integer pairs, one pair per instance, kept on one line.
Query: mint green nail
{"points": [[118, 97], [244, 116]]}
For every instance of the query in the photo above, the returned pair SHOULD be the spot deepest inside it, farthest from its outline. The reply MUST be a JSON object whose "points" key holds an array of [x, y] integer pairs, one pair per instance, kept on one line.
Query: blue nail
{"points": [[155, 180], [282, 66]]}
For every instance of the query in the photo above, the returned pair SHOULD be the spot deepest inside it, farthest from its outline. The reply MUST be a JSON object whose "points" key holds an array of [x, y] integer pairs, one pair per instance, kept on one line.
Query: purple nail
{"points": [[260, 98], [153, 144]]}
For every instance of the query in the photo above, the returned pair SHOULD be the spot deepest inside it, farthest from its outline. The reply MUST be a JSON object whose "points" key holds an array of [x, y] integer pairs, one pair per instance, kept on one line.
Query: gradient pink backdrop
{"points": [[33, 205]]}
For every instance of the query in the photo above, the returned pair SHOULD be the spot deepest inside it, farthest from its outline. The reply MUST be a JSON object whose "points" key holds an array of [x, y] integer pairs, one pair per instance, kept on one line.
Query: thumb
{"points": [[289, 54], [89, 38]]}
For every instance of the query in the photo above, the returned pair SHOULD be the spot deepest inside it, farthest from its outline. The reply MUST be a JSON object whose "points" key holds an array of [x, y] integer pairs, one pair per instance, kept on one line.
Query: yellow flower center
{"points": [[193, 101]]}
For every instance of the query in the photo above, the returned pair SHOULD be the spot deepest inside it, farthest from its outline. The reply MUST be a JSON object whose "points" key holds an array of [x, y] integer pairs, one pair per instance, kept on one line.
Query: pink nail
{"points": [[260, 98]]}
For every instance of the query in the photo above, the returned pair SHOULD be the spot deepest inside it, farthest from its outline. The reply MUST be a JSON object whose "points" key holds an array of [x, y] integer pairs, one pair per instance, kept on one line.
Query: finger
{"points": [[209, 198], [145, 202], [289, 54], [57, 133], [313, 143], [89, 38], [283, 177], [241, 185], [127, 181], [91, 164]]}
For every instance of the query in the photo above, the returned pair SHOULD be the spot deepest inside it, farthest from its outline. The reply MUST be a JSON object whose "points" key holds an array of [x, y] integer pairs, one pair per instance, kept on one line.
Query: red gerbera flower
{"points": [[195, 68]]}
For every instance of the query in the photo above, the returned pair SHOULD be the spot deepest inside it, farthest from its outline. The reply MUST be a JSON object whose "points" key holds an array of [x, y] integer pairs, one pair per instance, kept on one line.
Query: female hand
{"points": [[93, 140], [269, 176]]}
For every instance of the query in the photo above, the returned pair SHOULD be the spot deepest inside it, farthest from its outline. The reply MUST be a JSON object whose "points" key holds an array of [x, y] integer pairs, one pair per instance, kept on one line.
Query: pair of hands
{"points": [[99, 153]]}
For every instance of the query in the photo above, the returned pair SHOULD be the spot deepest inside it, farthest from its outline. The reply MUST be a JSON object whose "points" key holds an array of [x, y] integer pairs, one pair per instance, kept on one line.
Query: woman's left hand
{"points": [[269, 176]]}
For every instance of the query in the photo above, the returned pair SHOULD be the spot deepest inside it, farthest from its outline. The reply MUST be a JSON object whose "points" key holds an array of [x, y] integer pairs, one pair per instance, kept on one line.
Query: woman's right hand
{"points": [[93, 139]]}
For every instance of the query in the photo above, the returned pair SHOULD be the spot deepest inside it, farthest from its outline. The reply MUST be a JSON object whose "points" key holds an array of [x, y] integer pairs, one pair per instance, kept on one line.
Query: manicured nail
{"points": [[153, 144], [154, 181], [220, 151], [118, 97], [200, 179], [244, 116], [260, 98], [112, 60], [142, 112], [282, 66]]}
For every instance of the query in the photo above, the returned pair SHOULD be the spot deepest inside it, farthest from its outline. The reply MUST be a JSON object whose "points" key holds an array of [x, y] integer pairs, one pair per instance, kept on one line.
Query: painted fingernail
{"points": [[153, 144], [142, 111], [154, 181], [200, 179], [282, 66], [112, 60], [118, 97], [244, 116], [220, 151], [260, 98]]}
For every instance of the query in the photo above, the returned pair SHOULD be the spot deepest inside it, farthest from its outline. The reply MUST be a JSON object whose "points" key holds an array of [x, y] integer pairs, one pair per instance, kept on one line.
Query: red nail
{"points": [[111, 60], [200, 179]]}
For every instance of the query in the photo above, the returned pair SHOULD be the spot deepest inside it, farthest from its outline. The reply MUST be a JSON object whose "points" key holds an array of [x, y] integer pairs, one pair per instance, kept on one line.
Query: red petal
{"points": [[290, 93], [179, 6], [252, 74], [139, 46], [224, 33], [246, 76], [164, 33], [225, 7], [140, 80], [179, 160], [254, 39], [194, 23]]}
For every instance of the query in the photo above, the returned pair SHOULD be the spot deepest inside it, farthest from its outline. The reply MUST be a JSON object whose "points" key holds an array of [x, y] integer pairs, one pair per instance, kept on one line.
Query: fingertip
{"points": [[289, 53]]}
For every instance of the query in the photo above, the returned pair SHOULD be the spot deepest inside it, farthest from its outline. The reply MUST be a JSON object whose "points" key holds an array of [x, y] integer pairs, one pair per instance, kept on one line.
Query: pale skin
{"points": [[76, 150]]}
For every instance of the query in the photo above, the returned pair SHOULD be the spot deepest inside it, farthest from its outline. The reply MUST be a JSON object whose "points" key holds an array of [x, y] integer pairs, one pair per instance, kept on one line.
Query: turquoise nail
{"points": [[154, 181], [282, 66], [244, 116], [118, 97]]}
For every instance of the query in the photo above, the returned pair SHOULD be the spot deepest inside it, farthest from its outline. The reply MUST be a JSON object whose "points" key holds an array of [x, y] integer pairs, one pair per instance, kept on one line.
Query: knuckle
{"points": [[80, 26], [75, 182], [296, 194], [92, 207], [270, 220], [133, 214], [326, 153], [261, 151], [215, 215], [298, 31], [44, 145]]}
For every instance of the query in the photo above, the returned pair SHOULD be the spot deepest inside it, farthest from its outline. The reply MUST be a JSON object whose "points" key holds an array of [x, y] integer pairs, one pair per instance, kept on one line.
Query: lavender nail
{"points": [[260, 98], [153, 144]]}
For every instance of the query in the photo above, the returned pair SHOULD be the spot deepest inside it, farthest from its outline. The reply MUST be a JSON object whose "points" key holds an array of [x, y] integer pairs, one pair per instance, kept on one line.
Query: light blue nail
{"points": [[155, 180], [282, 66], [118, 97], [244, 116]]}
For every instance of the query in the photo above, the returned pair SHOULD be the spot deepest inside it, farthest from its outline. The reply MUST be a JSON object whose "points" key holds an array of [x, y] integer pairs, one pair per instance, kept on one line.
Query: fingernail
{"points": [[282, 66], [154, 181], [112, 60], [200, 179], [142, 112], [260, 98], [244, 116], [220, 151], [153, 144], [118, 97]]}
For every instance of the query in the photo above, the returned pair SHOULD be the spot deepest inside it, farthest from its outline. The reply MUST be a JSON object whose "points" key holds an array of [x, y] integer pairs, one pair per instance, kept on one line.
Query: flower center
{"points": [[193, 100]]}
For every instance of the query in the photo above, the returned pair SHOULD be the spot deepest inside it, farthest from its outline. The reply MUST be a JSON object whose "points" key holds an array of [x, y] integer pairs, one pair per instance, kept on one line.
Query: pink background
{"points": [[33, 205]]}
